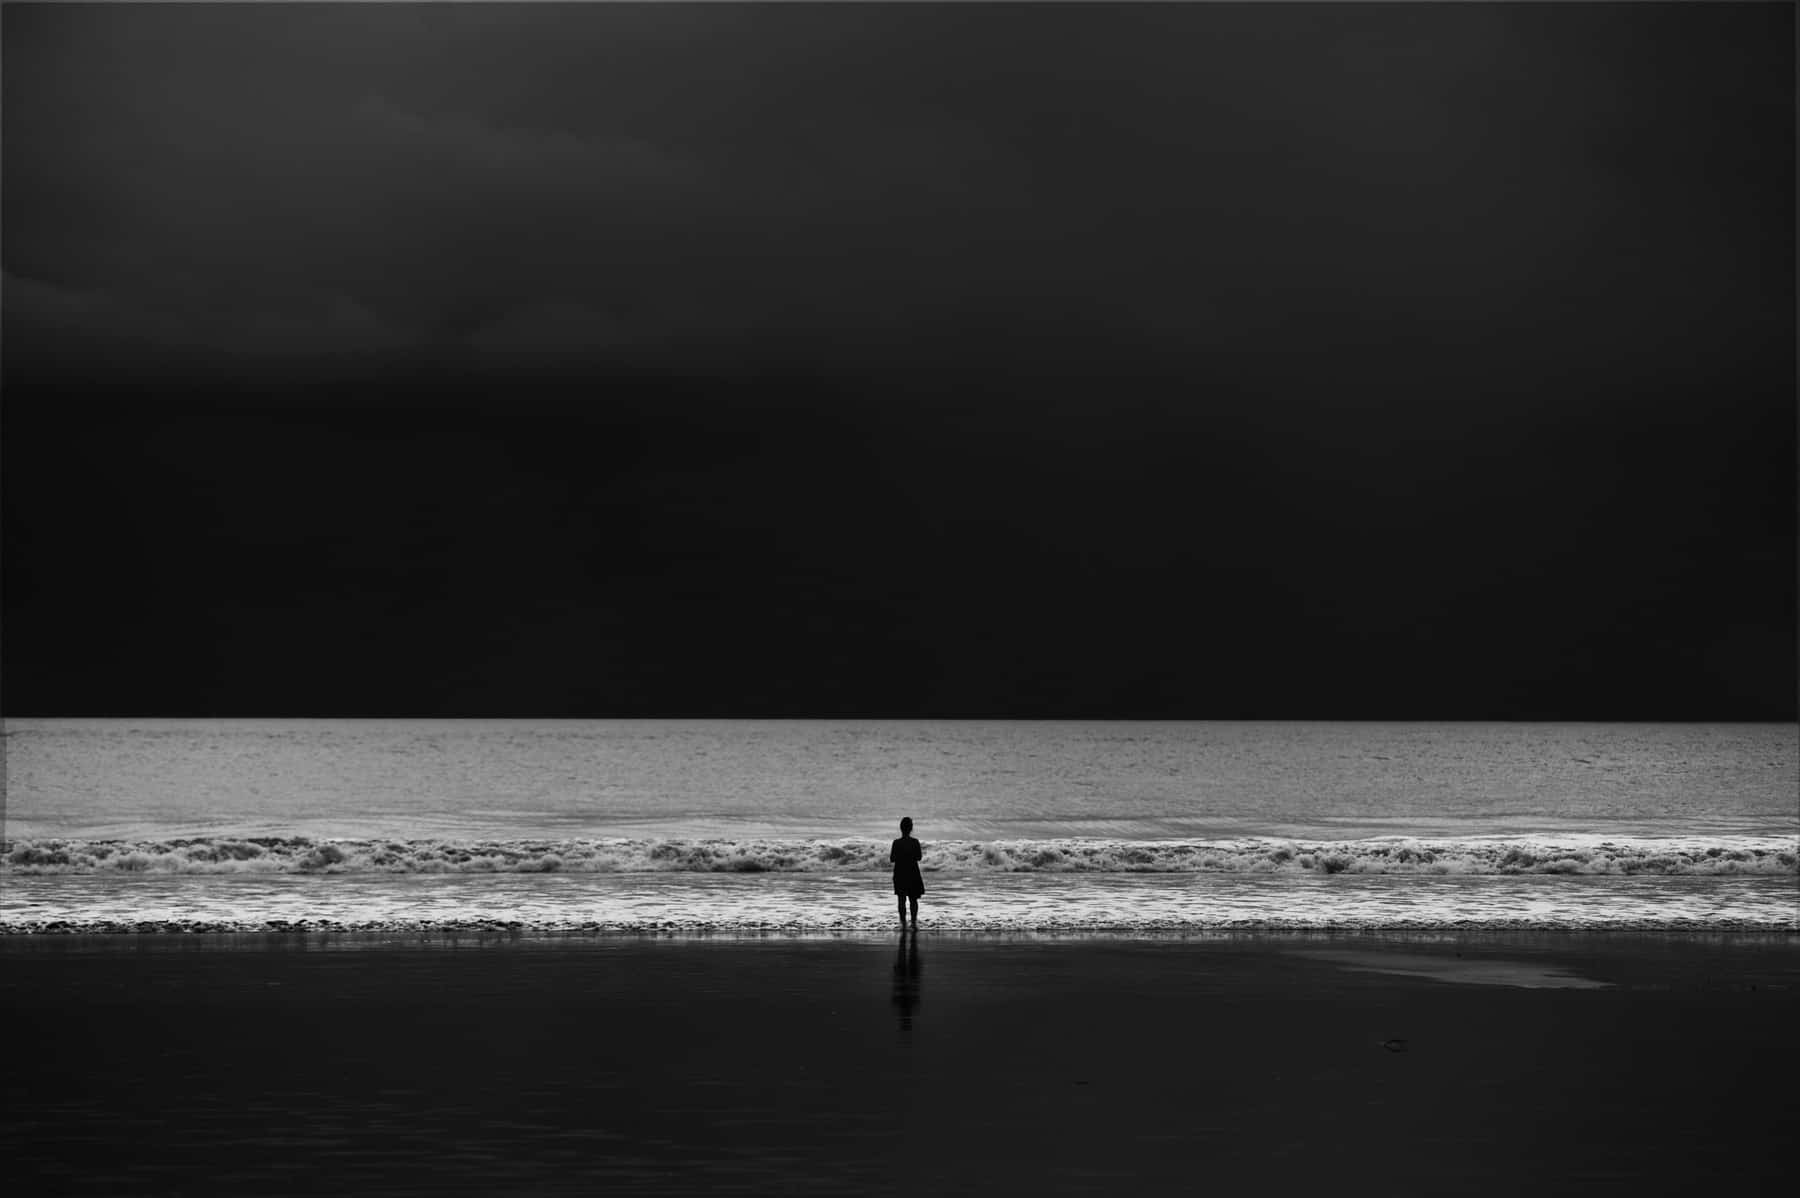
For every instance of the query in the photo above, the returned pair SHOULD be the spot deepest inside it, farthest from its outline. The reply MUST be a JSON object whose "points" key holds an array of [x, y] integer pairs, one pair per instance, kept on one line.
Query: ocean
{"points": [[695, 826]]}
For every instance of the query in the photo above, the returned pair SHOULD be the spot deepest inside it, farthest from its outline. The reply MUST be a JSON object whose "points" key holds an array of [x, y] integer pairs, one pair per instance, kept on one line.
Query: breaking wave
{"points": [[304, 855]]}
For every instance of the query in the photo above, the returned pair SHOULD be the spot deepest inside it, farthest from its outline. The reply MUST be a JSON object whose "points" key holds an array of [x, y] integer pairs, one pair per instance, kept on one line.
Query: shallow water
{"points": [[825, 902]]}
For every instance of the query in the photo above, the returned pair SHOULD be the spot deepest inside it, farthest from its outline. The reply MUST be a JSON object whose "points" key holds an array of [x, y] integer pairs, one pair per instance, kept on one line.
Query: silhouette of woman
{"points": [[908, 883]]}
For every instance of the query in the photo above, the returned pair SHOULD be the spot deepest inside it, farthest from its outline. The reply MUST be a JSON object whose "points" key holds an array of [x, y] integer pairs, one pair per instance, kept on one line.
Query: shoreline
{"points": [[600, 904], [327, 933]]}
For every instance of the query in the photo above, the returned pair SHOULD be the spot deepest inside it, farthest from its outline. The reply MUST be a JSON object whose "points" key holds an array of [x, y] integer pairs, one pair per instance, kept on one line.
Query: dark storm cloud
{"points": [[244, 179], [583, 180], [969, 359]]}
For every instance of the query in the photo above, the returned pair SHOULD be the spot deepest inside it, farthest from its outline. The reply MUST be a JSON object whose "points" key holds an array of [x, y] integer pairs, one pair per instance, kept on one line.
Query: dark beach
{"points": [[1441, 1063]]}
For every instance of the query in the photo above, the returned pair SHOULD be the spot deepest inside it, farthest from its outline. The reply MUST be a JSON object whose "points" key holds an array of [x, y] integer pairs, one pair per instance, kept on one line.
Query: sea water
{"points": [[736, 825]]}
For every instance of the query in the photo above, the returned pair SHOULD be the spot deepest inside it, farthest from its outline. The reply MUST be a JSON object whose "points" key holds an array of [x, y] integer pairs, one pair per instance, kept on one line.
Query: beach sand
{"points": [[1484, 1063]]}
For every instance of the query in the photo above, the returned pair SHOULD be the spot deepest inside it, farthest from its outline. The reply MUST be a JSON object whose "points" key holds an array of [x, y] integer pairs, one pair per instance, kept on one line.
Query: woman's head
{"points": [[906, 826]]}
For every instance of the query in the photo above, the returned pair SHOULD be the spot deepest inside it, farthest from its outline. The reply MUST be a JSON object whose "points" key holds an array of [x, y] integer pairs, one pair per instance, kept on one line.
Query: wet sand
{"points": [[1489, 1063]]}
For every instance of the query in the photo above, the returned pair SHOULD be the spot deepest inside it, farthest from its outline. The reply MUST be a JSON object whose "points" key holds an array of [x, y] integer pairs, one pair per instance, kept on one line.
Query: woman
{"points": [[908, 883]]}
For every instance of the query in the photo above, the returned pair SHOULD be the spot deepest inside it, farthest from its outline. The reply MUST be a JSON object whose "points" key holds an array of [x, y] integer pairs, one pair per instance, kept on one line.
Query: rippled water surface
{"points": [[731, 824], [960, 780]]}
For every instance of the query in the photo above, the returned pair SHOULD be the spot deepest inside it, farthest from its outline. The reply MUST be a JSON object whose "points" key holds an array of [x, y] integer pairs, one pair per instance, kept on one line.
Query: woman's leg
{"points": [[902, 901], [915, 908]]}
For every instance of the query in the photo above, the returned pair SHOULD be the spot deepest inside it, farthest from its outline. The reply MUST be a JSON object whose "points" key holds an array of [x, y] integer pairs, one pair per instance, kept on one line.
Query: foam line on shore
{"points": [[678, 926], [305, 855]]}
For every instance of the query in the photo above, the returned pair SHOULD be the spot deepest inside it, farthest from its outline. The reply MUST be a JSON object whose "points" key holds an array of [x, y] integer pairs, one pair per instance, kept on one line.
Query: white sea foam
{"points": [[861, 902], [1254, 855]]}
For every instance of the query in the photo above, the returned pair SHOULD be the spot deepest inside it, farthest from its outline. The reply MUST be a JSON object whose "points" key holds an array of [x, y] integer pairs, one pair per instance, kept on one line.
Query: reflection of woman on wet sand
{"points": [[906, 981], [909, 884]]}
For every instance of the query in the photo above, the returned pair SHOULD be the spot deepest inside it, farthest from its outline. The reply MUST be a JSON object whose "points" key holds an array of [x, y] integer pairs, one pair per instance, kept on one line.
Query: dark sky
{"points": [[1218, 361]]}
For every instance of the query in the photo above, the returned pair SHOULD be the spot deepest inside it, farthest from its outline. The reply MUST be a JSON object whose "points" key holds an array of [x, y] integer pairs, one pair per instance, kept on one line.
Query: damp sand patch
{"points": [[1527, 975]]}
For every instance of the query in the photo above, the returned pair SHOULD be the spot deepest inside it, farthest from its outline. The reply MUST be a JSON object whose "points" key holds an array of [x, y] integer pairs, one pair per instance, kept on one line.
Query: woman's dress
{"points": [[905, 855]]}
